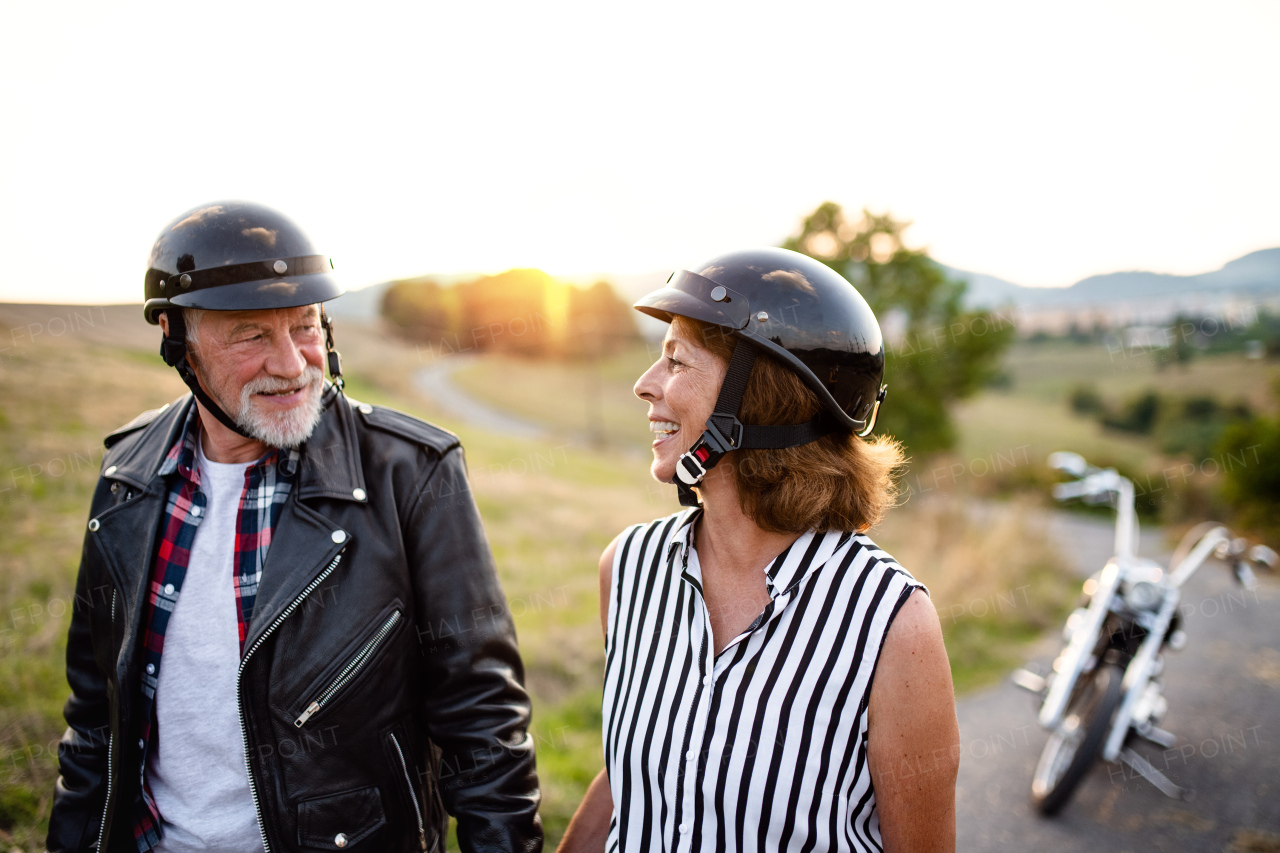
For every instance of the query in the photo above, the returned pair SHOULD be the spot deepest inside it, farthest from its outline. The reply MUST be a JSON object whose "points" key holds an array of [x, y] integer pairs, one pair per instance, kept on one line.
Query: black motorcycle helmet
{"points": [[233, 256], [801, 312]]}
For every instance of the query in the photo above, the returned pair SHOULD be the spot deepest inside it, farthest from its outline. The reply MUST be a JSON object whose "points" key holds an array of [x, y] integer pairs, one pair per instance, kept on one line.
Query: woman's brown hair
{"points": [[839, 482]]}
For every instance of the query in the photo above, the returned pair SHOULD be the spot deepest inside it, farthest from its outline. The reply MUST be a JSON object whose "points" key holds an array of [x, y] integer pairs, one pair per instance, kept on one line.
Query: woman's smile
{"points": [[664, 430]]}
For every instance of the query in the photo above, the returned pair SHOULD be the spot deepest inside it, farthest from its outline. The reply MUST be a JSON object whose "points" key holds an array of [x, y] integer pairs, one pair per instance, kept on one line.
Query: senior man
{"points": [[256, 657]]}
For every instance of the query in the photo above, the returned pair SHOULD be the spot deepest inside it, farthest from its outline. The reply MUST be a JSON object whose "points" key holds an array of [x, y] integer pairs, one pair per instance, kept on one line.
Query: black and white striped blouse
{"points": [[764, 746]]}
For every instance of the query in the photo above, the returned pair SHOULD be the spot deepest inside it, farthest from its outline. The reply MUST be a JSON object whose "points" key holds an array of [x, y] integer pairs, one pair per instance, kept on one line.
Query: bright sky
{"points": [[1037, 142]]}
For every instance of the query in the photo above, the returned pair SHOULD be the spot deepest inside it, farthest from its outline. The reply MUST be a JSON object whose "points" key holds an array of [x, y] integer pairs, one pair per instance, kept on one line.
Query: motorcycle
{"points": [[1105, 688]]}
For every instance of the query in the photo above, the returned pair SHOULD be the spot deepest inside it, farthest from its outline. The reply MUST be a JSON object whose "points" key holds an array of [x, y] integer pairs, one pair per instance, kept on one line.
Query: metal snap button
{"points": [[93, 524], [281, 267], [340, 840], [339, 536], [719, 294], [366, 409], [358, 494], [762, 317], [109, 471], [115, 487]]}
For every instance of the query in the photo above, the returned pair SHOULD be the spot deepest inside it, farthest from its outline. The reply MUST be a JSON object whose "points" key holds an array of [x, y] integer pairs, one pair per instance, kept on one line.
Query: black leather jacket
{"points": [[379, 548]]}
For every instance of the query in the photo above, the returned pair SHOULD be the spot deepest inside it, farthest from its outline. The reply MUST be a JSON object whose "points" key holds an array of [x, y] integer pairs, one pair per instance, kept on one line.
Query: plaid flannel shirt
{"points": [[267, 485]]}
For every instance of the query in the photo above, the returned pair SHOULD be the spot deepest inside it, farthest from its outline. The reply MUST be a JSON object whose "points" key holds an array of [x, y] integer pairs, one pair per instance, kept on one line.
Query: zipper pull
{"points": [[307, 714], [422, 838]]}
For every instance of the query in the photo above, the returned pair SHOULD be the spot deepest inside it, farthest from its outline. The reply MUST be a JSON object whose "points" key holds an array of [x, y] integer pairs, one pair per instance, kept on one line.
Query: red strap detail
{"points": [[702, 453]]}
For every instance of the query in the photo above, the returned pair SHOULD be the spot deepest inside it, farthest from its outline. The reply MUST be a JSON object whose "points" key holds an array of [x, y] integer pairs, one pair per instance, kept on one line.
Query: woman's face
{"points": [[681, 389]]}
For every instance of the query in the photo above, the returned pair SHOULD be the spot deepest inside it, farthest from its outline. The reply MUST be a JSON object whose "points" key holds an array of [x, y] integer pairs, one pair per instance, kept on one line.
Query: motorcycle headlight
{"points": [[1143, 595]]}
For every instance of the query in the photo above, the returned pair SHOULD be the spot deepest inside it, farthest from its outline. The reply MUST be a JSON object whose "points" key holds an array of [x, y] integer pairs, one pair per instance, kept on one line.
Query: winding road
{"points": [[434, 380]]}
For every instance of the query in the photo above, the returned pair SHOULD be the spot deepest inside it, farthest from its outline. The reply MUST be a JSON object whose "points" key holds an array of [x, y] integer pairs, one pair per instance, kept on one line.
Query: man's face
{"points": [[264, 368]]}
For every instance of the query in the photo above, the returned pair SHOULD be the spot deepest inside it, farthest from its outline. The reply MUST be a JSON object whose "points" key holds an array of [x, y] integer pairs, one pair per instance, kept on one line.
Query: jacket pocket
{"points": [[361, 659], [339, 821]]}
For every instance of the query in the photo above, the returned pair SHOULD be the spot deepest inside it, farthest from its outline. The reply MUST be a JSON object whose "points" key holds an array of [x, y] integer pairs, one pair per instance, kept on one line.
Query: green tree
{"points": [[937, 352], [1251, 473], [1249, 451]]}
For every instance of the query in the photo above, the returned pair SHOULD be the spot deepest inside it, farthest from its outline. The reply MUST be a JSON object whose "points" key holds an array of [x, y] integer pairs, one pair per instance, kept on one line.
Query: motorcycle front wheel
{"points": [[1077, 740]]}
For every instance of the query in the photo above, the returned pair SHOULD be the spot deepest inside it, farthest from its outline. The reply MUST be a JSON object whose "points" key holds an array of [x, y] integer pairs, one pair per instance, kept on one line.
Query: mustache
{"points": [[311, 375]]}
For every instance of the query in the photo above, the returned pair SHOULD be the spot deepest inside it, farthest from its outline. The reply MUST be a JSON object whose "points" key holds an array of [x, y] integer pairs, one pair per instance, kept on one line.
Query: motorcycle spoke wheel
{"points": [[1076, 742]]}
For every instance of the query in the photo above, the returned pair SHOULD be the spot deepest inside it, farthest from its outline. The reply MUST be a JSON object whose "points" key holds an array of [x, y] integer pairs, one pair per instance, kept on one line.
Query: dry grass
{"points": [[994, 576]]}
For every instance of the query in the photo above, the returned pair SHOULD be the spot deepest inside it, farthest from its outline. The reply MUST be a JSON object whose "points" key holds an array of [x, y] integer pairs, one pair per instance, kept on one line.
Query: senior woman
{"points": [[773, 680]]}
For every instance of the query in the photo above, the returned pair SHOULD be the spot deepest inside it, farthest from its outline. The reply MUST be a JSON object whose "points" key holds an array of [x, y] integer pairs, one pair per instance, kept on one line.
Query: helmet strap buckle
{"points": [[332, 357], [723, 431]]}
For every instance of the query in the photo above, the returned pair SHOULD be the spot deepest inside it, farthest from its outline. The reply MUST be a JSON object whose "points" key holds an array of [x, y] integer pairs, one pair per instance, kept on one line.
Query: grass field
{"points": [[1047, 372], [549, 508]]}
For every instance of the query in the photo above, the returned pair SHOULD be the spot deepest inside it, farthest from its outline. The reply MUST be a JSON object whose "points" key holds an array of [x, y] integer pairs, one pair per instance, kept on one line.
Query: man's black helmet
{"points": [[801, 312], [235, 255]]}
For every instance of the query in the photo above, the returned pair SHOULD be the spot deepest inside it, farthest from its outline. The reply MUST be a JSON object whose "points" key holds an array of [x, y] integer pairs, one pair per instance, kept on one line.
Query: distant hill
{"points": [[361, 305], [1257, 274]]}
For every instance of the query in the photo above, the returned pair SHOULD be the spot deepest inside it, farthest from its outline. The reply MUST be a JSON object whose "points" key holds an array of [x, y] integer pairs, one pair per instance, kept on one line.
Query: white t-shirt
{"points": [[196, 764]]}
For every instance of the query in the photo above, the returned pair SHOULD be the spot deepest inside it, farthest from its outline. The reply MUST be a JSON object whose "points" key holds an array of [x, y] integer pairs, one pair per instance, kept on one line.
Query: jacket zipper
{"points": [[244, 731], [106, 805], [413, 796], [351, 670]]}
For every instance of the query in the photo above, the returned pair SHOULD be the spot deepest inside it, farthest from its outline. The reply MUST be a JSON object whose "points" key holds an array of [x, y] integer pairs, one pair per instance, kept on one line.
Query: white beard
{"points": [[283, 429]]}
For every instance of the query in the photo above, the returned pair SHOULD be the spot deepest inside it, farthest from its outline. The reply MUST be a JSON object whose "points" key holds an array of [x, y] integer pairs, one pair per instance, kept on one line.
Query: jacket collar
{"points": [[329, 461]]}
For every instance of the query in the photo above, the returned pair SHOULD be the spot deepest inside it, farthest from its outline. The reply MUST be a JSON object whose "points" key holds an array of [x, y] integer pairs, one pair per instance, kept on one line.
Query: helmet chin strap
{"points": [[332, 356], [725, 433], [173, 349]]}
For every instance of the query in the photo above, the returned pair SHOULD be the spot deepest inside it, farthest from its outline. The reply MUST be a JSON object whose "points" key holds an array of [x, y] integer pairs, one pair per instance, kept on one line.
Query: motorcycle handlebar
{"points": [[1097, 484]]}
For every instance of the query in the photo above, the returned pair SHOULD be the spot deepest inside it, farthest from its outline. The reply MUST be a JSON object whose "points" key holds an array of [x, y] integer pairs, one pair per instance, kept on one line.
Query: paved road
{"points": [[1224, 705], [433, 380]]}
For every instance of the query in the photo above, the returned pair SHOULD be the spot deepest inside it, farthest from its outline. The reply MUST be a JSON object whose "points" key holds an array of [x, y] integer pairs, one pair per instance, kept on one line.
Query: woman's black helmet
{"points": [[801, 312], [233, 256]]}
